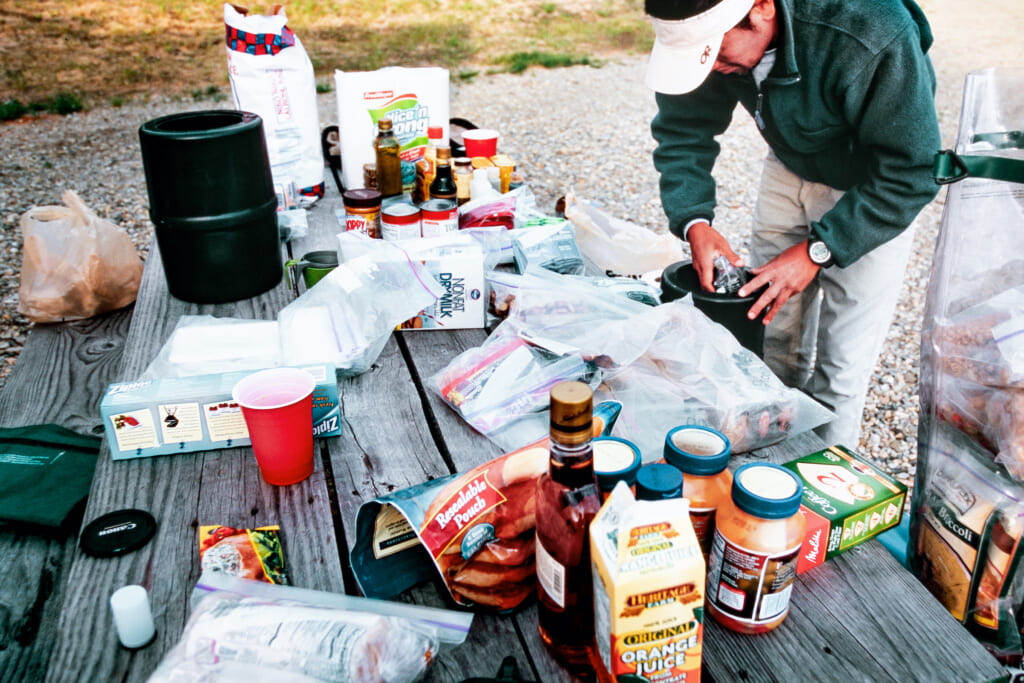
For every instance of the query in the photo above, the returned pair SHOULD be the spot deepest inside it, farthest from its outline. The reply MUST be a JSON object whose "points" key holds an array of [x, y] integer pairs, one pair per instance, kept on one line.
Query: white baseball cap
{"points": [[686, 47]]}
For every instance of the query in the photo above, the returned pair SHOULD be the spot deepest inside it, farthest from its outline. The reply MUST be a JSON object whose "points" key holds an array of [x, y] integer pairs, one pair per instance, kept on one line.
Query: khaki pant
{"points": [[826, 339]]}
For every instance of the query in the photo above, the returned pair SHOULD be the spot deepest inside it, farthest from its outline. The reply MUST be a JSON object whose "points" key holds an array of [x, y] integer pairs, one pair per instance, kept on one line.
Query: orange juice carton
{"points": [[648, 590], [847, 500]]}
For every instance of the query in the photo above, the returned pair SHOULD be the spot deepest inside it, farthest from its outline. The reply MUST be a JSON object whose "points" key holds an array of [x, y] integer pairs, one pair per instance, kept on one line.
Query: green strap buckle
{"points": [[949, 167]]}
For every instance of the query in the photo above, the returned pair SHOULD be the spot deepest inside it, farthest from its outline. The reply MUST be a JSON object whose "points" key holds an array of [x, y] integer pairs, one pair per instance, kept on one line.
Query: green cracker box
{"points": [[847, 500]]}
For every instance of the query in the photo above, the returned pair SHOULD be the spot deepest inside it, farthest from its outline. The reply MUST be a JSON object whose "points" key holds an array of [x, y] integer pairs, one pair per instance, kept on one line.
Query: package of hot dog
{"points": [[474, 529]]}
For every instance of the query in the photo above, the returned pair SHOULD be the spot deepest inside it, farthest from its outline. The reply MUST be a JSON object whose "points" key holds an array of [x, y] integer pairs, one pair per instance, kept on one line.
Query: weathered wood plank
{"points": [[181, 491], [59, 377]]}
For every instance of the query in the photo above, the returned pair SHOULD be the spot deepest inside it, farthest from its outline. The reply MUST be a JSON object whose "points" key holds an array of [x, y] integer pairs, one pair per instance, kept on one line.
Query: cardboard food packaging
{"points": [[847, 501], [648, 590], [187, 414], [457, 263]]}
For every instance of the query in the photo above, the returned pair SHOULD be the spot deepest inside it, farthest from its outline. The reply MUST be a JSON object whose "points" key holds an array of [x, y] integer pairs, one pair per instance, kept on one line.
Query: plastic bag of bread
{"points": [[475, 530], [254, 631], [74, 264]]}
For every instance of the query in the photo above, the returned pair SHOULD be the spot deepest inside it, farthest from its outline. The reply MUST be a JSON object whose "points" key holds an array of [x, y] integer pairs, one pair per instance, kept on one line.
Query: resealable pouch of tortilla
{"points": [[475, 529], [413, 98]]}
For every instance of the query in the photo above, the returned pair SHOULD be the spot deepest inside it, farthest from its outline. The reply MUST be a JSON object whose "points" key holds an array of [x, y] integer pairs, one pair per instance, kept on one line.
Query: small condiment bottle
{"points": [[443, 185], [658, 481], [427, 166], [758, 534], [615, 460], [362, 211], [702, 455], [463, 174], [389, 162]]}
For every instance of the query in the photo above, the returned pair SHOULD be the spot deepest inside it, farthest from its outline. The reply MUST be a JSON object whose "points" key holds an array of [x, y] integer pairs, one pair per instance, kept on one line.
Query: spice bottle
{"points": [[658, 481], [427, 166], [758, 534], [615, 460], [463, 174], [389, 161], [443, 185], [702, 455], [567, 500]]}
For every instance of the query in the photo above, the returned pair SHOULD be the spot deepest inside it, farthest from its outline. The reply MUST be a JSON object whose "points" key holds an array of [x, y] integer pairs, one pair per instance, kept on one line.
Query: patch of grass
{"points": [[324, 87], [126, 48], [12, 109], [64, 103], [116, 102], [521, 61]]}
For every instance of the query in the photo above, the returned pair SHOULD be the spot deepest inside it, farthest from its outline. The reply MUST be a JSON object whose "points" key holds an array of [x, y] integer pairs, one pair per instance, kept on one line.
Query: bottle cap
{"points": [[659, 481], [463, 161], [571, 411], [696, 450], [361, 198], [117, 533], [767, 490], [615, 460], [435, 132], [444, 154], [384, 124]]}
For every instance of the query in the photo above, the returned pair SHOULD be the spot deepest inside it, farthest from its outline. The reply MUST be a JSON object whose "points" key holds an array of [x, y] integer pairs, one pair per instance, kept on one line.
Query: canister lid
{"points": [[615, 460], [362, 198], [659, 481], [117, 533], [697, 450], [767, 490]]}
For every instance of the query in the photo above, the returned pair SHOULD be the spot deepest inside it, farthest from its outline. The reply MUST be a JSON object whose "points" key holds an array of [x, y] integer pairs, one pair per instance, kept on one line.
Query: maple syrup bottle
{"points": [[567, 500]]}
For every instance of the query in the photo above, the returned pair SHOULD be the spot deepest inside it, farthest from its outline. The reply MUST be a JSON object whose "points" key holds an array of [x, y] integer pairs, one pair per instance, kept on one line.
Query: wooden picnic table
{"points": [[861, 616]]}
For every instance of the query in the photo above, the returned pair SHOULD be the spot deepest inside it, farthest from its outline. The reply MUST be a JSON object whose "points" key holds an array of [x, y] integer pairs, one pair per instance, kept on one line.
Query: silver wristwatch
{"points": [[819, 252]]}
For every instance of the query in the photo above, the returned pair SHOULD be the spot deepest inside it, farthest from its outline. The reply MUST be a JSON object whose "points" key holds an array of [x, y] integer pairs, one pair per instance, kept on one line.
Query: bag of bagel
{"points": [[475, 529]]}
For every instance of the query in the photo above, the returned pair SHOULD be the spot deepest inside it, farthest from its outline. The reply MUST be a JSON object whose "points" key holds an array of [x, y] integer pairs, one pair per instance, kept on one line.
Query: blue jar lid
{"points": [[659, 481], [767, 490], [700, 451], [615, 460]]}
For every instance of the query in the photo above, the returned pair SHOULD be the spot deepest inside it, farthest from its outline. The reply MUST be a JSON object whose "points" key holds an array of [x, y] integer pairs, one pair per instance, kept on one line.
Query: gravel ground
{"points": [[583, 129]]}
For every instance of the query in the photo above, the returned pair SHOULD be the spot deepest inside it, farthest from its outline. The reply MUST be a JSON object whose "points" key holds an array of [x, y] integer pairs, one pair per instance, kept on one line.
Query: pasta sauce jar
{"points": [[757, 541], [702, 455]]}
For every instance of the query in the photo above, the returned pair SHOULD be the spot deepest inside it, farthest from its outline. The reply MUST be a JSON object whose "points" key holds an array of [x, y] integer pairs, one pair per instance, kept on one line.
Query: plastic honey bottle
{"points": [[757, 541], [567, 500], [389, 162], [702, 455]]}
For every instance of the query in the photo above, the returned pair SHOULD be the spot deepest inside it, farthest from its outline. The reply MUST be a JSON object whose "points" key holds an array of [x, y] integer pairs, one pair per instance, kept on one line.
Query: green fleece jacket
{"points": [[848, 103]]}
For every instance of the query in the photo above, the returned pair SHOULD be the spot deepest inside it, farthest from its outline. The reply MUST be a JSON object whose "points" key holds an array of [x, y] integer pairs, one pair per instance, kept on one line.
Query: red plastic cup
{"points": [[278, 408], [480, 142]]}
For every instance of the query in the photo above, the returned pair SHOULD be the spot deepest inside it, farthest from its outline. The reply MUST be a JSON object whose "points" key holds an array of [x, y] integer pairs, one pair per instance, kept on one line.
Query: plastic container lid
{"points": [[659, 481], [362, 198], [767, 490], [435, 132], [117, 533], [696, 450], [615, 460]]}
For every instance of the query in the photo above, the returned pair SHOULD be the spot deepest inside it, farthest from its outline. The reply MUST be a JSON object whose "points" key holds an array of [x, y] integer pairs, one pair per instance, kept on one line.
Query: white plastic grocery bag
{"points": [[413, 98], [272, 77]]}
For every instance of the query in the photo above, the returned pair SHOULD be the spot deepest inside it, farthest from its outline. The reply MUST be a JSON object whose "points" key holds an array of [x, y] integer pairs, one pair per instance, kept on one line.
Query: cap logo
{"points": [[705, 55]]}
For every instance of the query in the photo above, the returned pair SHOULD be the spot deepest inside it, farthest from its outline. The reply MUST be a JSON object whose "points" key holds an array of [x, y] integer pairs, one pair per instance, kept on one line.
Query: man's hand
{"points": [[705, 244], [787, 274]]}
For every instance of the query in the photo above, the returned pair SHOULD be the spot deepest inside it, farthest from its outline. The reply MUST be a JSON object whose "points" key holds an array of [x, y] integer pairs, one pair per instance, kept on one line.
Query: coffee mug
{"points": [[313, 266]]}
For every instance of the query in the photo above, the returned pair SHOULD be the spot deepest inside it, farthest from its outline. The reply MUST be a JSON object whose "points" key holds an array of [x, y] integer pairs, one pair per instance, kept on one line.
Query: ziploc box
{"points": [[186, 414], [847, 500], [457, 262], [648, 589]]}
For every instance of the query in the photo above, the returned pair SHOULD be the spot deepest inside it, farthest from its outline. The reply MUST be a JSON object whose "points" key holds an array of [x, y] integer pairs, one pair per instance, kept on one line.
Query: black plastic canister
{"points": [[212, 202]]}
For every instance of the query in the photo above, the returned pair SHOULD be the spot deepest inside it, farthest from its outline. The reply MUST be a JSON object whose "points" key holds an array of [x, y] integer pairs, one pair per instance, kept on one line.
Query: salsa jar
{"points": [[758, 534], [702, 455]]}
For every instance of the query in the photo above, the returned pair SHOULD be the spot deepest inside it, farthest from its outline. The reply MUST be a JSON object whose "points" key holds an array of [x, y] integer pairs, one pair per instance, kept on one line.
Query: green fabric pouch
{"points": [[45, 471]]}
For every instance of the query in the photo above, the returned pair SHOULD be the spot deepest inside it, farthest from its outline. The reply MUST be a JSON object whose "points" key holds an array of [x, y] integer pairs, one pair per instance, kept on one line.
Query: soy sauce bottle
{"points": [[443, 185], [567, 501]]}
